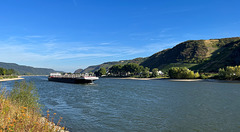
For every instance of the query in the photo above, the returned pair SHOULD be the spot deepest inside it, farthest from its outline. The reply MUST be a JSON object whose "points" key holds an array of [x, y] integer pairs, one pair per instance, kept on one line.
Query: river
{"points": [[141, 105]]}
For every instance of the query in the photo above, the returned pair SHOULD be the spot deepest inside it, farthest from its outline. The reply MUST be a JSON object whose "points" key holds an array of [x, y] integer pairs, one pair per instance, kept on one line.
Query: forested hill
{"points": [[109, 64], [227, 55], [26, 69], [205, 55], [199, 55]]}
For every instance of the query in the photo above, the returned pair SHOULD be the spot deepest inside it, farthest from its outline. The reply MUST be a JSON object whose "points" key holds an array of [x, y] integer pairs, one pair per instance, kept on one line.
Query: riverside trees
{"points": [[4, 71], [102, 71], [155, 72], [182, 73], [130, 69], [229, 73]]}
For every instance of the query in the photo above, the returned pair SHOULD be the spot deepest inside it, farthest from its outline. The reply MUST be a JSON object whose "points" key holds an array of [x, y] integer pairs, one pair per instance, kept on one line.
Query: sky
{"points": [[67, 35]]}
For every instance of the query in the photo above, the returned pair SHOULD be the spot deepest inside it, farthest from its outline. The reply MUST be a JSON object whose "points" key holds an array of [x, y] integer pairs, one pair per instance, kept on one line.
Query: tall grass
{"points": [[20, 111], [25, 94]]}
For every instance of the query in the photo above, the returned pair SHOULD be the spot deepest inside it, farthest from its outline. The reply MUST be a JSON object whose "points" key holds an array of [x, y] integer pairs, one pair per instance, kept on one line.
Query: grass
{"points": [[20, 111]]}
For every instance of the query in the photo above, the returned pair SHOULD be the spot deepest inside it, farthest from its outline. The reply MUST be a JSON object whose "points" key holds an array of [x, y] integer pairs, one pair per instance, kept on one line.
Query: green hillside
{"points": [[227, 55], [107, 65], [26, 69], [205, 55], [198, 55]]}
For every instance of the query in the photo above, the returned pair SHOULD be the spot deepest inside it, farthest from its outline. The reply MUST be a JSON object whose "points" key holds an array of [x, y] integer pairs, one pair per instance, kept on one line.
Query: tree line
{"points": [[135, 70], [4, 71], [229, 73], [130, 69], [182, 73]]}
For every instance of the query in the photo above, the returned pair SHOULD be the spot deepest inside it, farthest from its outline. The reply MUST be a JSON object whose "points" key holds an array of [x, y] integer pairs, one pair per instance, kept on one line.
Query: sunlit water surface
{"points": [[134, 105]]}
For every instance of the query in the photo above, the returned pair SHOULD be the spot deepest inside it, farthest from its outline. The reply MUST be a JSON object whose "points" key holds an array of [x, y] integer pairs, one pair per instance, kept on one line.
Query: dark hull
{"points": [[69, 80]]}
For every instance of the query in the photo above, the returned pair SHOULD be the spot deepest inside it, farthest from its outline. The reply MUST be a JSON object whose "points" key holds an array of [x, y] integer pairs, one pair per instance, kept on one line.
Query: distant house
{"points": [[160, 73]]}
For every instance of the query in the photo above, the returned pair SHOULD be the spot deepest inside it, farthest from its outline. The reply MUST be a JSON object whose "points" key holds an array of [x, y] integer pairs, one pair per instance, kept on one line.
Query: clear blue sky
{"points": [[70, 34]]}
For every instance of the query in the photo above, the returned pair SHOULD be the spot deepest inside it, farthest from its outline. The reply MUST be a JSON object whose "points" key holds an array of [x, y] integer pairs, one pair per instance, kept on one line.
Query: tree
{"points": [[116, 69], [132, 68], [196, 75], [182, 73], [2, 71], [10, 72], [145, 72], [102, 71], [229, 73], [155, 72]]}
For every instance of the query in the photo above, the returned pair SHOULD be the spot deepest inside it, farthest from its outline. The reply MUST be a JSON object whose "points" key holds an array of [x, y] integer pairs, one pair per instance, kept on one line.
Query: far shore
{"points": [[10, 79], [32, 75], [188, 80], [169, 79], [132, 78], [178, 80]]}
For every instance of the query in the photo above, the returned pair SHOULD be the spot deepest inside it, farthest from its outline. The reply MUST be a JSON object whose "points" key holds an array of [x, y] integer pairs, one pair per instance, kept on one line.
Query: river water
{"points": [[137, 105]]}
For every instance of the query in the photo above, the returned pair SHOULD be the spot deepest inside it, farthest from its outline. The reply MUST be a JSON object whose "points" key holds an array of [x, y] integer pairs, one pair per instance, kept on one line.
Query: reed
{"points": [[20, 111]]}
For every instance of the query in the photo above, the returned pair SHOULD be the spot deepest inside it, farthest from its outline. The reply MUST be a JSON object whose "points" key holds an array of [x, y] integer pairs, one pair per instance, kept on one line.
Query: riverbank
{"points": [[169, 79], [188, 80], [132, 78], [15, 117], [20, 111], [204, 80], [33, 75], [178, 80], [10, 79]]}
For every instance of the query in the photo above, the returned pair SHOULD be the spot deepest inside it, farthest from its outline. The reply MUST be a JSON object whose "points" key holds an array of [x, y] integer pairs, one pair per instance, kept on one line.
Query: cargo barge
{"points": [[72, 78]]}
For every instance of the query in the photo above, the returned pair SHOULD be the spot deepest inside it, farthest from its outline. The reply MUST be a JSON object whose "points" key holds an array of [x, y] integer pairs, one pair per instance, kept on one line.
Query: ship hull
{"points": [[70, 80]]}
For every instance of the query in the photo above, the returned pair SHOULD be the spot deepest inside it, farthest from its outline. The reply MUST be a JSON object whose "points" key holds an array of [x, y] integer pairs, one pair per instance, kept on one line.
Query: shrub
{"points": [[182, 73], [229, 73], [202, 76], [15, 117], [155, 72], [25, 94]]}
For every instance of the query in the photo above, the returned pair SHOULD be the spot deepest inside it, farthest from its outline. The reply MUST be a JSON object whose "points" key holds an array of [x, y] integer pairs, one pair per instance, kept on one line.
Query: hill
{"points": [[204, 55], [109, 64], [26, 69], [198, 55], [227, 55], [78, 71]]}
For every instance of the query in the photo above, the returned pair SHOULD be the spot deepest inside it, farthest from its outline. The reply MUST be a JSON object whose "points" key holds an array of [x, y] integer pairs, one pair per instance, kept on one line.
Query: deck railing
{"points": [[74, 75]]}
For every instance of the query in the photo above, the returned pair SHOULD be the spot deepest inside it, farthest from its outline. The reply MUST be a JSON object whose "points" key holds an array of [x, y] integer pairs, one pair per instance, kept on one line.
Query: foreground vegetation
{"points": [[20, 111]]}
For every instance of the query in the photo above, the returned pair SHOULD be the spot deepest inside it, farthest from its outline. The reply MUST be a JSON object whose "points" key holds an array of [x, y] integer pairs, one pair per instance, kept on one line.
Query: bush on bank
{"points": [[229, 73], [20, 111], [182, 73]]}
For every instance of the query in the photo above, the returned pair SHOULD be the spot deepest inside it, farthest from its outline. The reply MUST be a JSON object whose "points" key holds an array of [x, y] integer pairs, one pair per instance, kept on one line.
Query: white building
{"points": [[55, 74], [160, 73]]}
